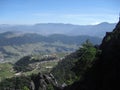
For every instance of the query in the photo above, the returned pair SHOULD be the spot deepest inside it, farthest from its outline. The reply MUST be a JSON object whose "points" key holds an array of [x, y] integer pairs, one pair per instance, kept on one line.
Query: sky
{"points": [[81, 12]]}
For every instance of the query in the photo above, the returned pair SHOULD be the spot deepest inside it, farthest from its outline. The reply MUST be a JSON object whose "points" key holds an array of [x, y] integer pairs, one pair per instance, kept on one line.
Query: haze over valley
{"points": [[98, 30], [59, 45]]}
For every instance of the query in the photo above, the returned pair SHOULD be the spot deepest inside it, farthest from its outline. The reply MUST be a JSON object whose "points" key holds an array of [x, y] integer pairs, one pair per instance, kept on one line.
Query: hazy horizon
{"points": [[59, 23], [77, 12]]}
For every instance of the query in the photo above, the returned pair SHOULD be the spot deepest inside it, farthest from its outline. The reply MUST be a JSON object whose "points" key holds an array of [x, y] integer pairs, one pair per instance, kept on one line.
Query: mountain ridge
{"points": [[61, 28], [13, 44]]}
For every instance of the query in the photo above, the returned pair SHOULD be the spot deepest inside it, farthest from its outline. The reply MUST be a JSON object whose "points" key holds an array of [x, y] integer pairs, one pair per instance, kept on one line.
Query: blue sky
{"points": [[82, 12]]}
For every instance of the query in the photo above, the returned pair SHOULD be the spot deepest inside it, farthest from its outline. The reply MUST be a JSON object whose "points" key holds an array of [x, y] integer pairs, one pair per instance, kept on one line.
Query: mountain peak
{"points": [[103, 23]]}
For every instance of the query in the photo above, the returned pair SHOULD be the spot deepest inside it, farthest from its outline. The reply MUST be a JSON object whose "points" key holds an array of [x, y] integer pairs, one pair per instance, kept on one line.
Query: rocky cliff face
{"points": [[44, 82], [105, 73], [110, 60]]}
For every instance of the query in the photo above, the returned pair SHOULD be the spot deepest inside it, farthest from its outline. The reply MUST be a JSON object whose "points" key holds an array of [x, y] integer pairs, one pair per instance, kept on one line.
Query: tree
{"points": [[87, 55]]}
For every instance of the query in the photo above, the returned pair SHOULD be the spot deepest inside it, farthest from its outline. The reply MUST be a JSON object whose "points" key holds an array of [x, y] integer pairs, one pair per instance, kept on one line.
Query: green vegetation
{"points": [[14, 52], [29, 63], [15, 83], [69, 70], [6, 70], [25, 88], [45, 67], [87, 56], [83, 68], [89, 68], [104, 72], [75, 65], [15, 46]]}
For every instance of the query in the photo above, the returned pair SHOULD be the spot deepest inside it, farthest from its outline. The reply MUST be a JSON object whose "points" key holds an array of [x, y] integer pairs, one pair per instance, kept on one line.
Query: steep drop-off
{"points": [[105, 73]]}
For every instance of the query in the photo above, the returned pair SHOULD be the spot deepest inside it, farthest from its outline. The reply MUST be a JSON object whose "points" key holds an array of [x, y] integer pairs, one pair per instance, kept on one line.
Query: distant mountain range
{"points": [[98, 30], [14, 45], [17, 41]]}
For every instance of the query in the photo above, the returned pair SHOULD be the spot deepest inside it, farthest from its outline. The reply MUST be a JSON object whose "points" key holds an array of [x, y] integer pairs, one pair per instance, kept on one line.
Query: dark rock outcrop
{"points": [[41, 82], [105, 73]]}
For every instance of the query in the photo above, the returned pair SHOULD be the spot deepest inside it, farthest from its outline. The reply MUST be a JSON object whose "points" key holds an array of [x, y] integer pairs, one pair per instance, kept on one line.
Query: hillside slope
{"points": [[15, 45], [105, 73]]}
